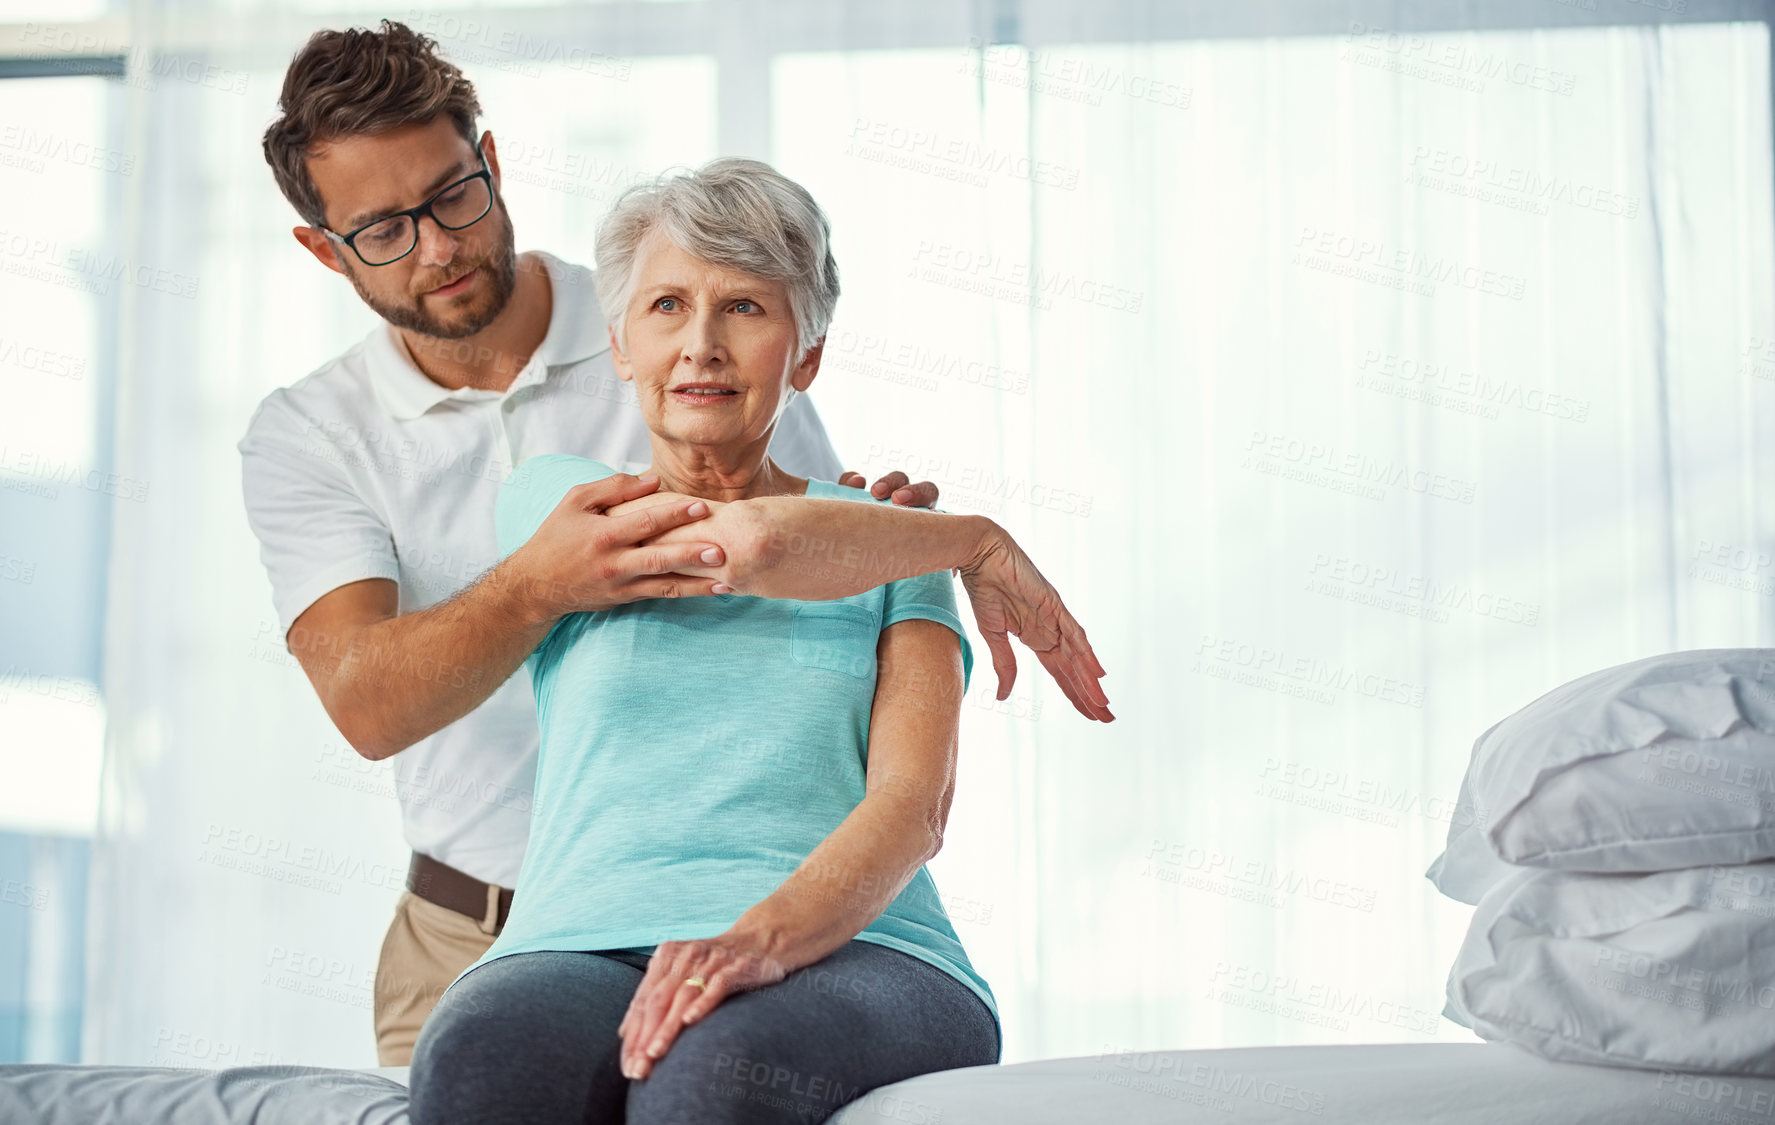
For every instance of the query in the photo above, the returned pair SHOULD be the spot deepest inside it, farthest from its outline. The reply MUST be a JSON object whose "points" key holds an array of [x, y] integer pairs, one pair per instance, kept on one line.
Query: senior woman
{"points": [[723, 913]]}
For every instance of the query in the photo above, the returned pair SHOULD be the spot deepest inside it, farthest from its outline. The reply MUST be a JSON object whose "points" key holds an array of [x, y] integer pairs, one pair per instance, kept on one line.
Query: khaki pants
{"points": [[427, 947]]}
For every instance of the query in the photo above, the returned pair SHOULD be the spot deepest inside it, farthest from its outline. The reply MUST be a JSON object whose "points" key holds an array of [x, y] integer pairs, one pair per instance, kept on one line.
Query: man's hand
{"points": [[1009, 595], [920, 495], [582, 559]]}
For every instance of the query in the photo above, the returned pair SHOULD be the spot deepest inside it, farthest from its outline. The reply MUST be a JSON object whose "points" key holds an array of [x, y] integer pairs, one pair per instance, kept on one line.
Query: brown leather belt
{"points": [[456, 890]]}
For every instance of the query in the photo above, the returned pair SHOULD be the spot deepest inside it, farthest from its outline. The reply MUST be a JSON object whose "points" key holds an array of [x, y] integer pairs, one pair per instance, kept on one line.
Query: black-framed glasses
{"points": [[392, 237]]}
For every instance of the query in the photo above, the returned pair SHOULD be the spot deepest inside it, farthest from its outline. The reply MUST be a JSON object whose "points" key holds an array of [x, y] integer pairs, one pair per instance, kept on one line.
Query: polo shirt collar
{"points": [[576, 332]]}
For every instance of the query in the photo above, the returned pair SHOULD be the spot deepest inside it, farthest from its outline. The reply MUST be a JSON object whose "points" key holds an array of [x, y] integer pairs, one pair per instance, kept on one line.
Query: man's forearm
{"points": [[818, 549], [391, 683]]}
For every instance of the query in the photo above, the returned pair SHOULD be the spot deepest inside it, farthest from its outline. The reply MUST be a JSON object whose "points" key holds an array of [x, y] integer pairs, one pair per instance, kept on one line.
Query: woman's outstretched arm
{"points": [[853, 875], [816, 549]]}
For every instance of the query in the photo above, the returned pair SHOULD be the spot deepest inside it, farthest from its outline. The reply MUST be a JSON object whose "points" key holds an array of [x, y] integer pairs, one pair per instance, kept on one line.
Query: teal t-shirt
{"points": [[696, 750]]}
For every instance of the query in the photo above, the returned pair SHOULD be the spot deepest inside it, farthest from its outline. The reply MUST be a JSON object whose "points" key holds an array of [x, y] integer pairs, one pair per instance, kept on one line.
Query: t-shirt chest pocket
{"points": [[836, 637]]}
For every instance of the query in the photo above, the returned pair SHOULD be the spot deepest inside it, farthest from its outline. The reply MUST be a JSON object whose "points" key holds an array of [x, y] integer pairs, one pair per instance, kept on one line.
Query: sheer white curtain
{"points": [[1353, 391]]}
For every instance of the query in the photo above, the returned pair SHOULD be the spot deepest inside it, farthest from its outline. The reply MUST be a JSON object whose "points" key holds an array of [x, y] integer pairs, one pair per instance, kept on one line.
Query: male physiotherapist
{"points": [[371, 482]]}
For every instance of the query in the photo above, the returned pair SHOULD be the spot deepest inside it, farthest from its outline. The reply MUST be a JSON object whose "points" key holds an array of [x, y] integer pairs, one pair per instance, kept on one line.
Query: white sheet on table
{"points": [[1389, 1084], [66, 1094]]}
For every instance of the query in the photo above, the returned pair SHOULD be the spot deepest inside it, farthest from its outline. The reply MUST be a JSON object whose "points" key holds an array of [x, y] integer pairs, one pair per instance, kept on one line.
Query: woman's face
{"points": [[711, 351]]}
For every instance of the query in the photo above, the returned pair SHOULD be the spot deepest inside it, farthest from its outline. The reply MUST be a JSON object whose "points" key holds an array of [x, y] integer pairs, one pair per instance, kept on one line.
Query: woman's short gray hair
{"points": [[738, 214]]}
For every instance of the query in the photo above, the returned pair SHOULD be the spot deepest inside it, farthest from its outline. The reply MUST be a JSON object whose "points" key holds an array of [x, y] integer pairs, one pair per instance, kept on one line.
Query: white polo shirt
{"points": [[368, 469]]}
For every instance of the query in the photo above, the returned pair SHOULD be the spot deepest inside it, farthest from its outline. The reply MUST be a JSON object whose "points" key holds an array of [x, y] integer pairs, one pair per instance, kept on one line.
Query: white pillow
{"points": [[1663, 763], [1668, 971]]}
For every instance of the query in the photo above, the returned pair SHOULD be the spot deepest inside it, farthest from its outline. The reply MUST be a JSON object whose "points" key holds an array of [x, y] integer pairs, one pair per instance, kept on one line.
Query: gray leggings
{"points": [[531, 1039]]}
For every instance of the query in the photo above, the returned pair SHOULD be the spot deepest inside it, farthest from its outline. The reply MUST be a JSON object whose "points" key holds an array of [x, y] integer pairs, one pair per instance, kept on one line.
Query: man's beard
{"points": [[501, 268]]}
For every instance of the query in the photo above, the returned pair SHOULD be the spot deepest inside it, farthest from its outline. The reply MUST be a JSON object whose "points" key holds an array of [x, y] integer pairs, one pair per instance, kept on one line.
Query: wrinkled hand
{"points": [[1010, 595], [664, 1005], [896, 484]]}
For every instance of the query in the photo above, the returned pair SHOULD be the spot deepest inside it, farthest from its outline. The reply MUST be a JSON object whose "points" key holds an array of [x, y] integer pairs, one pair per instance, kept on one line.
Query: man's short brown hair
{"points": [[359, 82]]}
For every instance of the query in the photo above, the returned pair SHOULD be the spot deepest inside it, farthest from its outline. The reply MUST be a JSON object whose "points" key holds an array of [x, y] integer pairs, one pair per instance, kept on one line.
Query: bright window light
{"points": [[54, 153], [52, 739]]}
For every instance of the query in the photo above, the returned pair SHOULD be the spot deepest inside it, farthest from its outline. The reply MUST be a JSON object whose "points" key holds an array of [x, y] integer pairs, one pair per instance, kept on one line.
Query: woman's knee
{"points": [[449, 1064], [528, 1038], [724, 1072]]}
